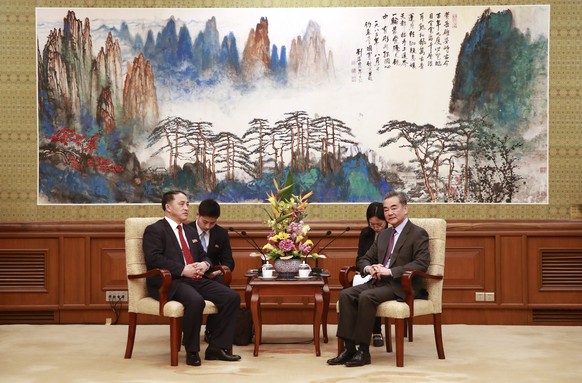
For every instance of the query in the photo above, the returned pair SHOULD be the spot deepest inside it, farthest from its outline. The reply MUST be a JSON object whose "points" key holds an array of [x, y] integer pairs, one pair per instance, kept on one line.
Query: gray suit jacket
{"points": [[410, 253]]}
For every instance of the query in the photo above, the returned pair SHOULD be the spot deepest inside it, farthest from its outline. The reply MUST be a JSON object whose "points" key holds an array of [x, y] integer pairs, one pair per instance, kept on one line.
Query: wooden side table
{"points": [[316, 287]]}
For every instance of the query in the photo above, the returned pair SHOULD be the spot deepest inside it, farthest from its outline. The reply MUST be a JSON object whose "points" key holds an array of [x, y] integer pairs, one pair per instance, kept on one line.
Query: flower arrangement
{"points": [[288, 238]]}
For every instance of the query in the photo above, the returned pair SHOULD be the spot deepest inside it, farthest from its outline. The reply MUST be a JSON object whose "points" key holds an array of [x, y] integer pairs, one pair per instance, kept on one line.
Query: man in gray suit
{"points": [[402, 247]]}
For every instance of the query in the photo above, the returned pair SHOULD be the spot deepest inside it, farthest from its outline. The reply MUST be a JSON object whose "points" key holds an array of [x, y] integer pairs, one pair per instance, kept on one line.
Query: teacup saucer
{"points": [[308, 277]]}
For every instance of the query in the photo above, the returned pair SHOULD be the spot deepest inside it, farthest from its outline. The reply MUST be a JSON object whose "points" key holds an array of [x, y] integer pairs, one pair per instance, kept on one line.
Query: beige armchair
{"points": [[139, 300], [404, 312]]}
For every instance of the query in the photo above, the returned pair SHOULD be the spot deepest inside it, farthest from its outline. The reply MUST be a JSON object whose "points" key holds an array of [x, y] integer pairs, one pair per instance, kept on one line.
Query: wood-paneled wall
{"points": [[60, 272]]}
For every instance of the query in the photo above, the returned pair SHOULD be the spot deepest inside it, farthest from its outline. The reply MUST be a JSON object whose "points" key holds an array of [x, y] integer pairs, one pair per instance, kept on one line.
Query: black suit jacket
{"points": [[218, 249], [410, 253], [162, 250], [367, 238]]}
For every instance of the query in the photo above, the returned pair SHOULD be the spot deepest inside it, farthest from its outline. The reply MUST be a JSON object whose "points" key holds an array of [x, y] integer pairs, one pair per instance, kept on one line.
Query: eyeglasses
{"points": [[377, 225]]}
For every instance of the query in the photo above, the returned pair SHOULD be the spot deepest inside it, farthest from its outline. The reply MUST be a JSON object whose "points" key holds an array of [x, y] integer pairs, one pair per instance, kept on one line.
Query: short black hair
{"points": [[169, 196], [209, 208]]}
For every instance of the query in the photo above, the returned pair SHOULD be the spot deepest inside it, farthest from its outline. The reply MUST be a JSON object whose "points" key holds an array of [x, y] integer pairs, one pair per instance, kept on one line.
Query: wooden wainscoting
{"points": [[527, 272]]}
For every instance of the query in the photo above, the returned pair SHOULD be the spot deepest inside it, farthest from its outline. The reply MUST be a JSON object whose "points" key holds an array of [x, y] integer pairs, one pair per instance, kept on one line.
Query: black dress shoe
{"points": [[342, 358], [360, 359], [377, 340], [193, 359], [220, 354]]}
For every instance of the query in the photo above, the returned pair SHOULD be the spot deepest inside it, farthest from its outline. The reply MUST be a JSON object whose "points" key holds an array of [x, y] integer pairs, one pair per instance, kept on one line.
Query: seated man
{"points": [[216, 244], [402, 247], [171, 245], [376, 223], [215, 240]]}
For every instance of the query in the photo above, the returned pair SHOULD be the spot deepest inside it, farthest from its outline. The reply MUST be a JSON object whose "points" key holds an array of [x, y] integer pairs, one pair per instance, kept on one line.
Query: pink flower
{"points": [[305, 249], [286, 245]]}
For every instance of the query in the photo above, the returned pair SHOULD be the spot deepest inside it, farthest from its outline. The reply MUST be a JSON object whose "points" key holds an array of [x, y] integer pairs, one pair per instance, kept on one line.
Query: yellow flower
{"points": [[286, 212]]}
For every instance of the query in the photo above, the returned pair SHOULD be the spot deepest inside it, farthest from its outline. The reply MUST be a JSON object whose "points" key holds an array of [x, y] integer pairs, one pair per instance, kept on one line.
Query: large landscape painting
{"points": [[449, 104]]}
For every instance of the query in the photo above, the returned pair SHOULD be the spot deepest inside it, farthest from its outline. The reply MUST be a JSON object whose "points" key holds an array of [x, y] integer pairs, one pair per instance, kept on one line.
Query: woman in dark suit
{"points": [[376, 223]]}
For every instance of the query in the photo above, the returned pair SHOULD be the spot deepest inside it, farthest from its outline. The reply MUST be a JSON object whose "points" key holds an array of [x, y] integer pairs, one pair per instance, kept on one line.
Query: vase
{"points": [[287, 267]]}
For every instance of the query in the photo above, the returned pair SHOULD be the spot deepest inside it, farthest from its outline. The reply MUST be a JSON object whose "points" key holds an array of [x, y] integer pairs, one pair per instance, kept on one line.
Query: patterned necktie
{"points": [[185, 248], [390, 247], [203, 241]]}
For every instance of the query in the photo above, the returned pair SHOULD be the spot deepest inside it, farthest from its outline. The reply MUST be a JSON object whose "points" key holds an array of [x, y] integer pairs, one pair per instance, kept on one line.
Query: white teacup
{"points": [[268, 273], [304, 273]]}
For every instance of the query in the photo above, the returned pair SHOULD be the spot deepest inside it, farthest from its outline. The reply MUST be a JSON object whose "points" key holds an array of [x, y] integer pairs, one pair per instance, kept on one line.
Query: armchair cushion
{"points": [[403, 312], [139, 301]]}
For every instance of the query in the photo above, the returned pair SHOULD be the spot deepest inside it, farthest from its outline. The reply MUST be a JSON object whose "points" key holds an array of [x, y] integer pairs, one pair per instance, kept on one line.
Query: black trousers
{"points": [[357, 310], [192, 293]]}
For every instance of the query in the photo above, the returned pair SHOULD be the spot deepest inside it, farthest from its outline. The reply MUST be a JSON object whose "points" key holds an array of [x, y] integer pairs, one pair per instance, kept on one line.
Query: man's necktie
{"points": [[203, 241], [389, 251], [185, 248]]}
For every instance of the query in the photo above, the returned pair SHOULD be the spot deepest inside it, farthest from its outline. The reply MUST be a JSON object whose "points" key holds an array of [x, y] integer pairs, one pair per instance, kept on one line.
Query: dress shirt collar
{"points": [[172, 223], [200, 231], [400, 227]]}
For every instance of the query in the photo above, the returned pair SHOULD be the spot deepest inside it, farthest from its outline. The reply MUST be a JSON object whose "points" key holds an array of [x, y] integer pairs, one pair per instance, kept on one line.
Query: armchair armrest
{"points": [[407, 285], [344, 275], [167, 280], [217, 270], [163, 290]]}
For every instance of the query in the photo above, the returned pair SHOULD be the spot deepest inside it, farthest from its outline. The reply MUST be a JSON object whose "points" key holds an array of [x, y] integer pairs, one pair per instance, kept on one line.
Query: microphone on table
{"points": [[256, 245], [253, 244], [316, 270], [327, 234], [336, 237], [329, 243]]}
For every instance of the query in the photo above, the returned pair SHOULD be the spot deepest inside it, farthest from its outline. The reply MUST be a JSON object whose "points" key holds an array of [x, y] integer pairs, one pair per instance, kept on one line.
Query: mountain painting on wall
{"points": [[449, 104]]}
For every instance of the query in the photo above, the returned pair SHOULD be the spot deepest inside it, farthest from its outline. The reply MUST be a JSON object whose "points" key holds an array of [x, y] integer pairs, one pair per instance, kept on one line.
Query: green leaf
{"points": [[286, 192]]}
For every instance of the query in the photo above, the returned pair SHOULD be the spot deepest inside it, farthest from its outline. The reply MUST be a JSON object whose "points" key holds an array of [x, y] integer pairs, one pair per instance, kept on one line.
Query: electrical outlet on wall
{"points": [[479, 297], [116, 296], [489, 297]]}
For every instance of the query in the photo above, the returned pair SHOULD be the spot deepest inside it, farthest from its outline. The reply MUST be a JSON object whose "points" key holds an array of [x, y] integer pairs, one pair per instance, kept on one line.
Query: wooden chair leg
{"points": [[388, 331], [438, 335], [180, 334], [130, 334], [340, 345], [175, 337], [399, 329], [409, 326]]}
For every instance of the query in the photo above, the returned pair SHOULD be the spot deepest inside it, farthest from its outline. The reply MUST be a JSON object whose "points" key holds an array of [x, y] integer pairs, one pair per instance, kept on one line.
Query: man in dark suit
{"points": [[171, 245], [357, 304], [215, 242]]}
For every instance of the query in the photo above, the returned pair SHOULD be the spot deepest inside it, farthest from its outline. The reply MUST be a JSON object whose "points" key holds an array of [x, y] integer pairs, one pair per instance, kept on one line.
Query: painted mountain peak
{"points": [[150, 111], [499, 74]]}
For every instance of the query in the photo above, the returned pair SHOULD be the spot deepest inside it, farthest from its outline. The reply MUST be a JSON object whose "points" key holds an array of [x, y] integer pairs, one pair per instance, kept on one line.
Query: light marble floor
{"points": [[94, 353]]}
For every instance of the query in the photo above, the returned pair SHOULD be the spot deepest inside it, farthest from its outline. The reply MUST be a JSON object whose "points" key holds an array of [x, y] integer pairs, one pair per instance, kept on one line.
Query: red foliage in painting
{"points": [[77, 151]]}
